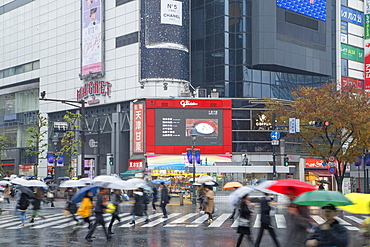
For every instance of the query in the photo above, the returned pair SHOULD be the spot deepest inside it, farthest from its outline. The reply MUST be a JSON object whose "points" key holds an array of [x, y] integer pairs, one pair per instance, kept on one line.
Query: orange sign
{"points": [[138, 128], [315, 163]]}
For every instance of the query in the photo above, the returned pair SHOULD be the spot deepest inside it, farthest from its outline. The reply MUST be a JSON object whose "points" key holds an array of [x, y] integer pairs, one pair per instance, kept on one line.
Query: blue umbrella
{"points": [[80, 194], [161, 180]]}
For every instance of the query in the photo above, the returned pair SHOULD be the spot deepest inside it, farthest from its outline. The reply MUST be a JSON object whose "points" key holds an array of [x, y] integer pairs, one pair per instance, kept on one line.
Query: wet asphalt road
{"points": [[183, 230]]}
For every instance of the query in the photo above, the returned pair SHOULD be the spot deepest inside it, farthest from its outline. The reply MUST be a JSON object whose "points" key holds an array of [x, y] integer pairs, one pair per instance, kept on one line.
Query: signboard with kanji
{"points": [[138, 128]]}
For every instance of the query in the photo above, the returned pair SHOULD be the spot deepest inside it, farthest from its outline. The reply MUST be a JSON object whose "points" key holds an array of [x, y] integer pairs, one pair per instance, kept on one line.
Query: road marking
{"points": [[355, 219], [220, 220], [341, 221], [18, 222], [198, 221], [318, 219], [180, 220], [54, 222], [352, 228], [280, 221], [257, 222], [236, 223], [156, 222], [141, 220]]}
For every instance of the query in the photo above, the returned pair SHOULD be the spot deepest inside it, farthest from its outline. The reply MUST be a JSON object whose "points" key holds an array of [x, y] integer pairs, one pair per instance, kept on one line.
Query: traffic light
{"points": [[322, 123], [110, 161], [286, 161]]}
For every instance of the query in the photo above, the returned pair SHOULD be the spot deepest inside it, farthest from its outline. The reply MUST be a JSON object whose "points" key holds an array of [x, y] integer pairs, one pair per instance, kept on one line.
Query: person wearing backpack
{"points": [[116, 200], [22, 206]]}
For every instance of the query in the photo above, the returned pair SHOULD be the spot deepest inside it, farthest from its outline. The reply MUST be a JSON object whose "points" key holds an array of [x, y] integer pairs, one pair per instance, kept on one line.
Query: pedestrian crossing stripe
{"points": [[58, 221]]}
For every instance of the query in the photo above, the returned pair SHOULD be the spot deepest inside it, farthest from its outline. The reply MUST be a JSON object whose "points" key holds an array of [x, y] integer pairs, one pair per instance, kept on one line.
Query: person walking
{"points": [[236, 206], [36, 202], [7, 193], [116, 199], [100, 206], [71, 206], [209, 202], [331, 233], [50, 197], [245, 210], [22, 205], [137, 210], [266, 221], [85, 209], [164, 199], [297, 221], [154, 199], [201, 193]]}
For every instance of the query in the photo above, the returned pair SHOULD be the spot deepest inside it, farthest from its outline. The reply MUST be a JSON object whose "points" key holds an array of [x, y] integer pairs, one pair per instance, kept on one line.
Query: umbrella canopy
{"points": [[2, 188], [361, 203], [63, 178], [146, 188], [4, 183], [53, 185], [262, 187], [120, 185], [20, 181], [81, 193], [238, 194], [285, 186], [25, 190], [212, 183], [72, 184], [324, 182], [196, 184], [204, 178], [37, 183], [86, 180], [103, 179], [161, 180], [322, 198], [232, 185]]}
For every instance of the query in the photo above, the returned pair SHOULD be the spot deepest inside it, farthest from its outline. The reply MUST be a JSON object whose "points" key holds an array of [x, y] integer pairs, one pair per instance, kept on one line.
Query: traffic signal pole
{"points": [[273, 149]]}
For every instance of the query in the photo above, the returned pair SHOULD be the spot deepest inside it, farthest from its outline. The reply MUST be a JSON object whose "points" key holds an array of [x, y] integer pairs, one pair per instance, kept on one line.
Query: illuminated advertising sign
{"points": [[312, 8], [367, 64], [344, 32], [352, 16], [351, 83], [135, 165], [352, 53], [367, 27], [91, 45], [138, 131]]}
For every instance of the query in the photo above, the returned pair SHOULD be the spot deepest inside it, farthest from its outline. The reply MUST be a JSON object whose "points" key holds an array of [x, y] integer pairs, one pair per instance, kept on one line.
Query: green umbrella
{"points": [[322, 198]]}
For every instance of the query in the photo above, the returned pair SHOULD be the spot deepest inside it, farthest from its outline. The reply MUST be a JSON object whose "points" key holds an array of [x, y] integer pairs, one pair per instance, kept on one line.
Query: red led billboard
{"points": [[168, 124]]}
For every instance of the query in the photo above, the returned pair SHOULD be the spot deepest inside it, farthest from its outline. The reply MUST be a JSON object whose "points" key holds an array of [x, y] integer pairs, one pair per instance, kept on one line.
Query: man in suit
{"points": [[164, 199], [266, 221]]}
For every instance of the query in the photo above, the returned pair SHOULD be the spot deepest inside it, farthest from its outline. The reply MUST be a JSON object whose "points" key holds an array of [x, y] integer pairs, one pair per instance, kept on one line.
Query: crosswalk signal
{"points": [[110, 161], [322, 123], [286, 161]]}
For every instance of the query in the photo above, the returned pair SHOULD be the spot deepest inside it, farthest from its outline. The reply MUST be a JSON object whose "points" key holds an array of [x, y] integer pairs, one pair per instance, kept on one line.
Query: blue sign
{"points": [[275, 135], [312, 8], [323, 164], [332, 170], [352, 16]]}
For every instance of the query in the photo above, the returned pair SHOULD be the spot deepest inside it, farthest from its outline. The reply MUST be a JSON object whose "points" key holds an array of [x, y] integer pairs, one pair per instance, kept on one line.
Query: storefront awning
{"points": [[130, 173], [320, 172]]}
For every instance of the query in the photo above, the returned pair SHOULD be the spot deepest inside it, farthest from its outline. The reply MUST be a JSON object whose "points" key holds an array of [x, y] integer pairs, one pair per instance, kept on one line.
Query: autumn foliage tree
{"points": [[349, 114]]}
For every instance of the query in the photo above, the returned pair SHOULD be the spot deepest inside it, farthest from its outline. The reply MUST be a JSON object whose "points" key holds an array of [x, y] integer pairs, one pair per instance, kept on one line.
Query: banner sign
{"points": [[352, 53], [344, 32], [138, 130], [91, 44], [367, 27], [367, 64], [171, 12], [135, 164], [352, 16]]}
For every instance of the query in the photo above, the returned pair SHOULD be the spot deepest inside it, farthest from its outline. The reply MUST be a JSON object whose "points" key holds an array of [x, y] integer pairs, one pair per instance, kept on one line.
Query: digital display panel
{"points": [[312, 8], [173, 126]]}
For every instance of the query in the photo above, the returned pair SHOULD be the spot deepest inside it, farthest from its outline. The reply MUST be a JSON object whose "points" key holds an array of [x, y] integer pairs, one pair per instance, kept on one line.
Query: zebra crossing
{"points": [[58, 221]]}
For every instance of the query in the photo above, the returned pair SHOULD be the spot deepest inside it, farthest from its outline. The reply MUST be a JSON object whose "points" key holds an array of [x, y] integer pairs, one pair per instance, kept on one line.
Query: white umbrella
{"points": [[204, 178], [20, 181], [103, 179], [37, 183], [262, 187], [72, 184], [134, 183], [238, 194], [86, 180], [4, 183], [119, 185]]}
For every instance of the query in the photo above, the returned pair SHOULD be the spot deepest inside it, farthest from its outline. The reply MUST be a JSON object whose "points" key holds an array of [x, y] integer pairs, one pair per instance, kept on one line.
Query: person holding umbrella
{"points": [[71, 206], [22, 205], [331, 233], [164, 198], [246, 210], [86, 206], [116, 200], [138, 208], [7, 193], [36, 204], [209, 202]]}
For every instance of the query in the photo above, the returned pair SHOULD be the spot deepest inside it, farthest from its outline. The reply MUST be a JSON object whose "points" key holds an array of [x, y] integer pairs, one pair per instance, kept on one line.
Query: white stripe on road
{"points": [[181, 220], [220, 220], [257, 222], [198, 221], [352, 228], [9, 225], [54, 221], [280, 221], [235, 224], [318, 219], [141, 220], [156, 222], [355, 219], [341, 221]]}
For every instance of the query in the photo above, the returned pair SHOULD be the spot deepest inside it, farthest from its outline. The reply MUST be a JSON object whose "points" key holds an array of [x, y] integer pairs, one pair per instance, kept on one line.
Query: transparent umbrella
{"points": [[37, 183], [238, 194], [103, 179], [20, 181], [72, 184]]}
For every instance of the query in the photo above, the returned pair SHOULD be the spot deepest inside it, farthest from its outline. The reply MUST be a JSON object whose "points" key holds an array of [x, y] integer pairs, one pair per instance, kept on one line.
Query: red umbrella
{"points": [[286, 186]]}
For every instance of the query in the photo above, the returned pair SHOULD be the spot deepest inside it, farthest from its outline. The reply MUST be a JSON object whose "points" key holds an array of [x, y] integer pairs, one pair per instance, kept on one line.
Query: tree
{"points": [[348, 112], [69, 142], [35, 136], [3, 145]]}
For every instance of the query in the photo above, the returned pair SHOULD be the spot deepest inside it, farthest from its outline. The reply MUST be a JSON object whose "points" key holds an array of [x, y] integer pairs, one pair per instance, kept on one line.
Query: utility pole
{"points": [[273, 149]]}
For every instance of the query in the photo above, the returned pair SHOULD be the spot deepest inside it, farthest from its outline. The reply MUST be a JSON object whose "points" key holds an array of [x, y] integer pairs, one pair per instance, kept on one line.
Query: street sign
{"points": [[292, 125], [331, 158], [297, 125], [275, 142], [275, 135], [332, 164], [332, 170]]}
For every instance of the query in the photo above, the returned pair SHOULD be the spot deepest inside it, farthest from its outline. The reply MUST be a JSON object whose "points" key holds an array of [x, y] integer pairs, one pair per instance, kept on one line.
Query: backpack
{"points": [[168, 198], [24, 202], [146, 199]]}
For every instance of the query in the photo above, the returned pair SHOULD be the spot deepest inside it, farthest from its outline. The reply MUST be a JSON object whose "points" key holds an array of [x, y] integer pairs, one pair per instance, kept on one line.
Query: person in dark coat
{"points": [[100, 206], [164, 199], [331, 233], [116, 200], [36, 202], [71, 206], [154, 199], [245, 211], [266, 221], [137, 210]]}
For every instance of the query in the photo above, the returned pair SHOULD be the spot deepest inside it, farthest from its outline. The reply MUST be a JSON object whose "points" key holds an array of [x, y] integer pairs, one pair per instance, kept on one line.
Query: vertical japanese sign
{"points": [[367, 47], [91, 44], [138, 130]]}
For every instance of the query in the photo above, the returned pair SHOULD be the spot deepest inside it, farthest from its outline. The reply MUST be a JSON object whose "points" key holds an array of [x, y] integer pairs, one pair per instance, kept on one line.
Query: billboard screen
{"points": [[173, 126], [312, 8], [91, 45]]}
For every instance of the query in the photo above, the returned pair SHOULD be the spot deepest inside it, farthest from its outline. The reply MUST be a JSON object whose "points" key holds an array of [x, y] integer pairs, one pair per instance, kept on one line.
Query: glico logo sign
{"points": [[185, 103]]}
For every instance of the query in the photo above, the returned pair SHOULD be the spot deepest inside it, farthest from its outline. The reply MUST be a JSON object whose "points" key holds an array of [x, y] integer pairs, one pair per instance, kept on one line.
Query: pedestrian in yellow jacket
{"points": [[86, 206]]}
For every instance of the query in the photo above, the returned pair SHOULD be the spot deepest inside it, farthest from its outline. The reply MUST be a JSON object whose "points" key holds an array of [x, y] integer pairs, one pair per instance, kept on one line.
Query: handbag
{"points": [[243, 222], [110, 208]]}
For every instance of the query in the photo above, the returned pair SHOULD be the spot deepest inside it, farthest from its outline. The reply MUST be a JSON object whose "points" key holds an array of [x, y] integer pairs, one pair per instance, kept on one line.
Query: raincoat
{"points": [[85, 208], [209, 201]]}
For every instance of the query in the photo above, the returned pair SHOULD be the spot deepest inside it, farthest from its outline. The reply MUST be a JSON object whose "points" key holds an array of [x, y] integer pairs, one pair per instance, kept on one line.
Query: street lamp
{"points": [[55, 141], [193, 134]]}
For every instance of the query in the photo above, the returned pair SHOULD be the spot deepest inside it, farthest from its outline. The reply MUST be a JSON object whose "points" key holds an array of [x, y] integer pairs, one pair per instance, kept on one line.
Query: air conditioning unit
{"points": [[202, 93]]}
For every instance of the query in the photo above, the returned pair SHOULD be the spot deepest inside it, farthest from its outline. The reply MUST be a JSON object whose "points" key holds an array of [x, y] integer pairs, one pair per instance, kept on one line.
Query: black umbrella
{"points": [[25, 190], [324, 182]]}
